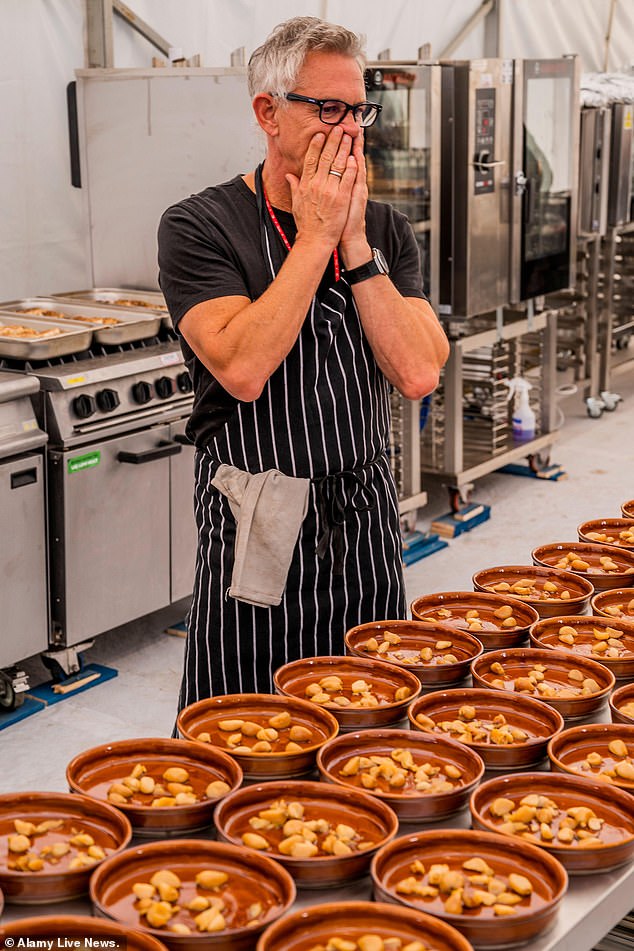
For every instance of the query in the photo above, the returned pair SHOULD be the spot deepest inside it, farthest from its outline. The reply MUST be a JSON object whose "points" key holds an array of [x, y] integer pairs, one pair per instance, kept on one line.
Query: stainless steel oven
{"points": [[23, 592]]}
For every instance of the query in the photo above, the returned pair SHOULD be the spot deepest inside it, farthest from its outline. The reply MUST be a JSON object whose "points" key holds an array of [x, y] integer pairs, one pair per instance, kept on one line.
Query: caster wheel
{"points": [[9, 699]]}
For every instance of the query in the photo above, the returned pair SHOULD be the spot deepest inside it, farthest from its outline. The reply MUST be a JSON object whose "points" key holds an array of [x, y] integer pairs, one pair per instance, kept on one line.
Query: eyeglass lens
{"points": [[333, 111]]}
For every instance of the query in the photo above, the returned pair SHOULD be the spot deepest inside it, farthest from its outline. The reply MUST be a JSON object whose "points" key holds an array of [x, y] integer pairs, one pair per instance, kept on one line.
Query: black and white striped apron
{"points": [[324, 415]]}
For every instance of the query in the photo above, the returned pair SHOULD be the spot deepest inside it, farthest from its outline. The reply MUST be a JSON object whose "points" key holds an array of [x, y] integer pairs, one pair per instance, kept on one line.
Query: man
{"points": [[293, 332]]}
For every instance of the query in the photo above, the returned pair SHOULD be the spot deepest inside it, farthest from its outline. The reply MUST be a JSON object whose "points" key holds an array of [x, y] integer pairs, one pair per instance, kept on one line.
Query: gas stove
{"points": [[112, 393]]}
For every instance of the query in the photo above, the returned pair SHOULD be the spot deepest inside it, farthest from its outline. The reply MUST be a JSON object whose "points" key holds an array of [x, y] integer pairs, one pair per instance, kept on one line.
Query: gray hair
{"points": [[275, 65]]}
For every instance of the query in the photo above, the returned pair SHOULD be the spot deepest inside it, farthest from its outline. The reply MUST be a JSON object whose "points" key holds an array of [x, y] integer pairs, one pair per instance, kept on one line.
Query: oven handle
{"points": [[161, 451]]}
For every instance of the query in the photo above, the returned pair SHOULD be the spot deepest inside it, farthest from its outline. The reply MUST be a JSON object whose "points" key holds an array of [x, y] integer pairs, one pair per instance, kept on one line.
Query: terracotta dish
{"points": [[616, 603], [575, 686], [256, 892], [585, 849], [313, 927], [606, 565], [397, 873], [210, 773], [370, 824], [307, 727], [628, 509], [610, 642], [489, 617], [622, 704], [392, 764], [438, 655], [608, 531], [451, 713], [599, 751], [551, 592], [68, 816], [76, 927], [393, 689]]}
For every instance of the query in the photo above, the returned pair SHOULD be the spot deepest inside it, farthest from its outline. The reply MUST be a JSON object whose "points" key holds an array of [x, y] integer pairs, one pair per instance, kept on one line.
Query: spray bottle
{"points": [[523, 415]]}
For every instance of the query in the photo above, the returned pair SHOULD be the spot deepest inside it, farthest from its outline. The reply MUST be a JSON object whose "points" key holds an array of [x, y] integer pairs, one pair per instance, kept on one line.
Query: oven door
{"points": [[184, 535], [110, 532], [23, 606]]}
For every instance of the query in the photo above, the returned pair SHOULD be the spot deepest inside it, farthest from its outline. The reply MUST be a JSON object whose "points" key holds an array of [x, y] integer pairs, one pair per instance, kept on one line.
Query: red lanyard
{"points": [[280, 231]]}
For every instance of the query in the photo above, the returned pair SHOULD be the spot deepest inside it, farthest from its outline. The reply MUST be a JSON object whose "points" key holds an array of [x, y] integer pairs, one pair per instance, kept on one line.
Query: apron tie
{"points": [[336, 496]]}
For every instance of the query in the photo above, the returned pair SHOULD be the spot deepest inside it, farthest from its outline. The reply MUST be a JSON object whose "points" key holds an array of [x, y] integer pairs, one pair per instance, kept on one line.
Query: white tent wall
{"points": [[43, 224]]}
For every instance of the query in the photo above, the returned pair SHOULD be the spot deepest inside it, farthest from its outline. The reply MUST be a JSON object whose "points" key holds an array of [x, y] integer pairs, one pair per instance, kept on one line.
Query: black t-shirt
{"points": [[210, 247]]}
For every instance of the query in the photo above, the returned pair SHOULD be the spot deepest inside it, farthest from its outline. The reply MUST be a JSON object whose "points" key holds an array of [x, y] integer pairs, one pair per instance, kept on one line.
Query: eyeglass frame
{"points": [[295, 97]]}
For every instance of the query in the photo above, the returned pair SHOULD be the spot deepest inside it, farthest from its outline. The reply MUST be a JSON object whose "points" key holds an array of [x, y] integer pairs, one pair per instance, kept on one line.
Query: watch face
{"points": [[379, 257]]}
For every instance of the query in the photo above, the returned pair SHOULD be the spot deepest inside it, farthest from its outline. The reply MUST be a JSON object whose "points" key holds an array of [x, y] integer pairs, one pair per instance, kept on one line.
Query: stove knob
{"points": [[184, 382], [164, 387], [107, 400], [141, 392], [83, 406]]}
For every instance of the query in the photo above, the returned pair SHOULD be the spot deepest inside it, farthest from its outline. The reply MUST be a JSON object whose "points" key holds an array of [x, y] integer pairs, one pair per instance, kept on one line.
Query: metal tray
{"points": [[151, 300], [71, 340], [134, 324]]}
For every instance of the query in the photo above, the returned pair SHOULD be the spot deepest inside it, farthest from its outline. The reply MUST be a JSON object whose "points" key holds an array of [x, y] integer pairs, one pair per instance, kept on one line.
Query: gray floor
{"points": [[598, 456]]}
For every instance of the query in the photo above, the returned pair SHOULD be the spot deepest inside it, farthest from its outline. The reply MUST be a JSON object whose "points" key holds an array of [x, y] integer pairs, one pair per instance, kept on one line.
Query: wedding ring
{"points": [[333, 171]]}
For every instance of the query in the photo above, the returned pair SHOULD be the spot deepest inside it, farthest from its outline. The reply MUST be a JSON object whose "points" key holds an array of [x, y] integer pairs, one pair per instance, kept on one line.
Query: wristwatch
{"points": [[378, 265]]}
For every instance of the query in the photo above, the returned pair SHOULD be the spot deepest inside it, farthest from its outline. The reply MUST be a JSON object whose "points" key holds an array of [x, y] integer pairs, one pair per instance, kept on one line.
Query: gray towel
{"points": [[269, 508]]}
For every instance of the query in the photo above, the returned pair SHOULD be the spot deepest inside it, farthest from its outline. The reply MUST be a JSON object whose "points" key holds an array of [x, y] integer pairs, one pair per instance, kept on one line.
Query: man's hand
{"points": [[321, 200], [354, 245]]}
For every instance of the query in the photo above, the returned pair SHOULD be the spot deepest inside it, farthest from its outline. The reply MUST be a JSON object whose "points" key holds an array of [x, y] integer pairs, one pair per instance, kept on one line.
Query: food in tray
{"points": [[540, 819], [44, 312], [334, 691], [501, 618], [275, 734], [52, 845], [473, 885], [620, 609], [607, 642], [624, 537], [536, 681], [627, 708], [469, 727], [535, 589], [403, 771], [124, 302], [28, 333], [605, 564], [205, 904], [388, 648], [172, 787], [369, 942], [614, 765], [290, 829]]}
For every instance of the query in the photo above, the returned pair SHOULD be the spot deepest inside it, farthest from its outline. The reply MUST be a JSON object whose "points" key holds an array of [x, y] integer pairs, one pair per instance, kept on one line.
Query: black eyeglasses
{"points": [[334, 111]]}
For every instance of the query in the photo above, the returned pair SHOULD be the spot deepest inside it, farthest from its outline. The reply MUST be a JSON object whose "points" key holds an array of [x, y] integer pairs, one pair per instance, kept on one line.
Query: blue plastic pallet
{"points": [[27, 709], [47, 694], [417, 545]]}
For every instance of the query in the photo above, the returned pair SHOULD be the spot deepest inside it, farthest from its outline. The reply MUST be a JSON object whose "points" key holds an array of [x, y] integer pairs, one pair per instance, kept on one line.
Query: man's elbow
{"points": [[420, 385]]}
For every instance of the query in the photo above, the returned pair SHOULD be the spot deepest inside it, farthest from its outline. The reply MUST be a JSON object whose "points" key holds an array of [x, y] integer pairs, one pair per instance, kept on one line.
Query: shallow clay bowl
{"points": [[452, 847], [545, 634], [451, 607], [384, 679], [200, 722], [621, 698], [546, 603], [108, 827], [252, 878], [618, 532], [518, 662], [628, 509], [78, 927], [314, 927], [613, 805], [409, 803], [94, 771], [616, 603], [537, 720], [414, 637], [569, 750], [373, 821], [601, 580]]}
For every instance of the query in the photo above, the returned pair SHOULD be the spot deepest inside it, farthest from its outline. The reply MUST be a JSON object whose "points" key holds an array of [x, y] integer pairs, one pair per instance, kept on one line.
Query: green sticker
{"points": [[88, 461]]}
